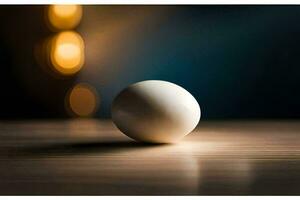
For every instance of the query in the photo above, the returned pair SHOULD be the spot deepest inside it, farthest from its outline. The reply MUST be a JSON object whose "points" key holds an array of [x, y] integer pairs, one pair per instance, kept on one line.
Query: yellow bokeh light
{"points": [[62, 17], [67, 52], [67, 55], [82, 100]]}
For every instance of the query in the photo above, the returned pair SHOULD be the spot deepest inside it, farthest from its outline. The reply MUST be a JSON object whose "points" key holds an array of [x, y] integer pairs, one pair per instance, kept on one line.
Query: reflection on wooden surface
{"points": [[92, 157]]}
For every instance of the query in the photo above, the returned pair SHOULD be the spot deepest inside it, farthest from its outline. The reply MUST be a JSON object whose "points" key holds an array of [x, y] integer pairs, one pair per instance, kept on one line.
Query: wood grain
{"points": [[91, 157]]}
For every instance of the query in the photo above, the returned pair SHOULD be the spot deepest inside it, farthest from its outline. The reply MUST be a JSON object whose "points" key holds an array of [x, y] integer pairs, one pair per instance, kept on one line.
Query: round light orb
{"points": [[155, 111], [67, 52], [63, 17], [82, 100]]}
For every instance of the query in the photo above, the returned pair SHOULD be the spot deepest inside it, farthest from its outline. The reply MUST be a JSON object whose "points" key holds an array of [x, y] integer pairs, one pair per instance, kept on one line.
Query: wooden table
{"points": [[91, 157]]}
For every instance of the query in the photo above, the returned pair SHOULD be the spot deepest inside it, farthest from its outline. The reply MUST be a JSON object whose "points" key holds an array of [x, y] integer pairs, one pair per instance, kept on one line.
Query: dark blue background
{"points": [[238, 61]]}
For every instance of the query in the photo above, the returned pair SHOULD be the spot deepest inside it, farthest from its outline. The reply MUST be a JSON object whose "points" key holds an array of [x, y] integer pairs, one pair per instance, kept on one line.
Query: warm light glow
{"points": [[67, 52], [62, 17], [67, 55], [83, 100]]}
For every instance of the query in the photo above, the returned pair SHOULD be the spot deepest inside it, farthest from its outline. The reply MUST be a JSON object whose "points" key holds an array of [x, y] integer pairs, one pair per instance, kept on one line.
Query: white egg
{"points": [[155, 111]]}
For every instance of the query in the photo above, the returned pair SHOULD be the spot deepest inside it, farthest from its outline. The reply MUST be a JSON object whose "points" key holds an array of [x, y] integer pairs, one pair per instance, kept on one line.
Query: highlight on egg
{"points": [[155, 111]]}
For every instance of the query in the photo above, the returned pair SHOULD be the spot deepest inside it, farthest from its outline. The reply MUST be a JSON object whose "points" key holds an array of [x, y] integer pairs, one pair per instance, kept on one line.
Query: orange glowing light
{"points": [[82, 100], [67, 52], [62, 17]]}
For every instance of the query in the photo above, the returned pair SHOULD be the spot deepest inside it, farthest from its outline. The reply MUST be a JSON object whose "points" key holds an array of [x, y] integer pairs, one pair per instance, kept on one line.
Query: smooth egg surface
{"points": [[155, 111]]}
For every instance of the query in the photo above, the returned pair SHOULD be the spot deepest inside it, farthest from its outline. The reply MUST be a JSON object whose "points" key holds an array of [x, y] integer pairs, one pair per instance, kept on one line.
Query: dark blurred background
{"points": [[237, 61]]}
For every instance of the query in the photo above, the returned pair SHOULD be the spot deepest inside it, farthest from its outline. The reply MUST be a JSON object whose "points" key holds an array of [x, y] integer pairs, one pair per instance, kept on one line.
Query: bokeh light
{"points": [[82, 100], [67, 52], [62, 17]]}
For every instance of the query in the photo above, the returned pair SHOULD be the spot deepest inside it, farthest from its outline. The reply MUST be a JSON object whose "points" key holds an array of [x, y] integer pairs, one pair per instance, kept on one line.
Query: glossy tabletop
{"points": [[91, 157]]}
